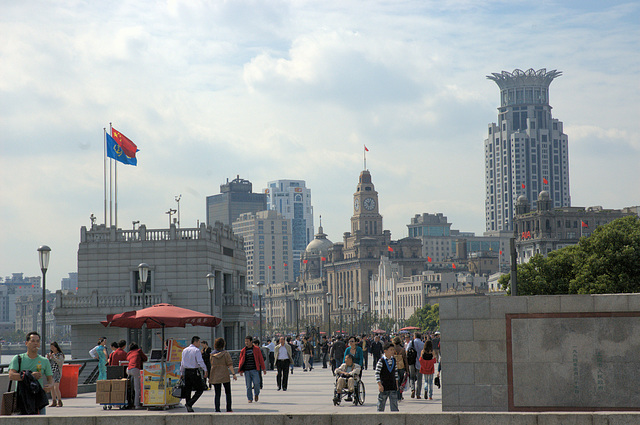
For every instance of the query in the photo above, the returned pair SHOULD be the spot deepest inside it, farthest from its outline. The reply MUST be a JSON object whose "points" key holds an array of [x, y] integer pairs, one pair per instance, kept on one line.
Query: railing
{"points": [[242, 299], [127, 299], [83, 364]]}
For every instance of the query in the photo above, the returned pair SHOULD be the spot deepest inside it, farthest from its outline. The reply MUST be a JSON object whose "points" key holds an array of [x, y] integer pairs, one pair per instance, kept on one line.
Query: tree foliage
{"points": [[606, 262], [426, 318]]}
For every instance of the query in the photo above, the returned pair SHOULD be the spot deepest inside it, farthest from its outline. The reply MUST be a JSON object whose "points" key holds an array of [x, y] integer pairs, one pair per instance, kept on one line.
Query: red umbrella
{"points": [[161, 316], [379, 331], [410, 328]]}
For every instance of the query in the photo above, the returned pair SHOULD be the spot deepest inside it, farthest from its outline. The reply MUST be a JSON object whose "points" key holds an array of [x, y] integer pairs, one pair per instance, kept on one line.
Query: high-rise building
{"points": [[267, 245], [70, 283], [526, 151], [292, 199], [236, 197]]}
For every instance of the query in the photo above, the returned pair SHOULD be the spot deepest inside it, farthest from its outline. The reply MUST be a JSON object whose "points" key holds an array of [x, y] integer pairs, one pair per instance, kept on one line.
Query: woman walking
{"points": [[101, 351], [56, 358], [401, 363], [427, 368], [221, 366]]}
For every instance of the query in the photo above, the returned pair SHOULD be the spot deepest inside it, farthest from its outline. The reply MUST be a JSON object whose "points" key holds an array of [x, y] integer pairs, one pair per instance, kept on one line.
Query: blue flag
{"points": [[115, 151]]}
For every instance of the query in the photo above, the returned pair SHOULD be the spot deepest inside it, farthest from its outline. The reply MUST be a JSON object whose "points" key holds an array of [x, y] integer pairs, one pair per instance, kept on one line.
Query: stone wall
{"points": [[541, 353]]}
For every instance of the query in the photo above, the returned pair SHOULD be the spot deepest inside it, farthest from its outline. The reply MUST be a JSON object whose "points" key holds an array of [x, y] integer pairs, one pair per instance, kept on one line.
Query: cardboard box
{"points": [[118, 397], [103, 397], [103, 386], [119, 385]]}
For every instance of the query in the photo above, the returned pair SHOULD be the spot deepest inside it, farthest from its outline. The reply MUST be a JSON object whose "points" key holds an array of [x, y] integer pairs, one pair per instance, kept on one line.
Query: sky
{"points": [[294, 90]]}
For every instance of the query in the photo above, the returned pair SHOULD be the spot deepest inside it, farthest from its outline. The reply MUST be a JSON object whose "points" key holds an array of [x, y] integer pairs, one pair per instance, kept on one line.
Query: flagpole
{"points": [[364, 153], [110, 192], [115, 184], [104, 172]]}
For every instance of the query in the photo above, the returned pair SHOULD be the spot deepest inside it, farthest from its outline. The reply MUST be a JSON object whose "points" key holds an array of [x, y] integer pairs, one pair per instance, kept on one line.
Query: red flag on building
{"points": [[365, 148], [389, 249], [545, 181], [127, 145], [323, 258], [584, 224], [453, 265], [285, 264], [523, 185], [305, 261], [269, 267], [500, 252], [429, 259]]}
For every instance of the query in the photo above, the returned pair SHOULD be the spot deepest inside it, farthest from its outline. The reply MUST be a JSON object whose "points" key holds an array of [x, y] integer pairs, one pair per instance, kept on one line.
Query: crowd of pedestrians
{"points": [[401, 364]]}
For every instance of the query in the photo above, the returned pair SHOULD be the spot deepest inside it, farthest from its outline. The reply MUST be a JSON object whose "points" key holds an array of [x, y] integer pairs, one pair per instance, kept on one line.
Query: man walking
{"points": [[324, 349], [413, 357], [337, 353], [251, 363], [283, 360], [39, 366], [376, 350], [271, 347], [194, 372]]}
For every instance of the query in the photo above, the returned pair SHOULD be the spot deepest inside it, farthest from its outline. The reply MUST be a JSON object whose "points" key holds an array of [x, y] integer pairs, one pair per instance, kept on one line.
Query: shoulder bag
{"points": [[178, 388], [10, 398]]}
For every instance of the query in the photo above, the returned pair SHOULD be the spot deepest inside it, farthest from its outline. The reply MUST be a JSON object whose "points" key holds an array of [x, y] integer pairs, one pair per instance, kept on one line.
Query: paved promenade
{"points": [[308, 392]]}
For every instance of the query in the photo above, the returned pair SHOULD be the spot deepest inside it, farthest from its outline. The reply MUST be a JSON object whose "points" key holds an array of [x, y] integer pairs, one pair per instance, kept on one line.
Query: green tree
{"points": [[608, 261], [426, 318]]}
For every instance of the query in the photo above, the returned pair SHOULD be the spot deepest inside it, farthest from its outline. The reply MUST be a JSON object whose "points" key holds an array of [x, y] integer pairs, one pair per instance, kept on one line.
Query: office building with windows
{"points": [[292, 199], [267, 246], [526, 151], [236, 197]]}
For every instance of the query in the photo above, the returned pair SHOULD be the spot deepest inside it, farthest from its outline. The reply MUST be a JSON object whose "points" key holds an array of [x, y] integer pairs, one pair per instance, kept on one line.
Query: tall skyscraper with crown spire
{"points": [[526, 151]]}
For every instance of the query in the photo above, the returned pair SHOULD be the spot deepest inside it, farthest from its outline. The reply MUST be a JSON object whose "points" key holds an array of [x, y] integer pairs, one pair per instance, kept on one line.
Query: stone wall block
{"points": [[543, 304], [449, 351], [500, 396], [456, 330], [611, 302], [497, 419], [576, 303], [450, 398], [565, 419], [634, 302], [490, 373], [449, 309], [489, 330], [474, 308], [474, 395], [500, 305], [474, 351], [419, 419], [459, 373], [498, 351]]}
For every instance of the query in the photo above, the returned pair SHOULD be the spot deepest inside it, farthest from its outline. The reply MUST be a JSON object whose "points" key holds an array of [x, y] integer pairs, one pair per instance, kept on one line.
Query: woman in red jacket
{"points": [[135, 357], [427, 368]]}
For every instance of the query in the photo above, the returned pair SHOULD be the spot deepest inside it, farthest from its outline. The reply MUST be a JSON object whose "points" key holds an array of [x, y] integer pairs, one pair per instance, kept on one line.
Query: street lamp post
{"points": [[329, 300], [143, 273], [365, 310], [211, 283], [260, 285], [351, 313], [43, 253], [340, 304], [296, 297], [359, 316]]}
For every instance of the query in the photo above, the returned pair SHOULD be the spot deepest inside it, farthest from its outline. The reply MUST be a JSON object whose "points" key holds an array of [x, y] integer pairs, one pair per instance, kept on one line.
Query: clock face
{"points": [[369, 204], [356, 204]]}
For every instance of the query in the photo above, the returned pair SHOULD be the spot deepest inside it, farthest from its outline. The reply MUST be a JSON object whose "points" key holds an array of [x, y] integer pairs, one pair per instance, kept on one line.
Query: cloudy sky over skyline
{"points": [[293, 90]]}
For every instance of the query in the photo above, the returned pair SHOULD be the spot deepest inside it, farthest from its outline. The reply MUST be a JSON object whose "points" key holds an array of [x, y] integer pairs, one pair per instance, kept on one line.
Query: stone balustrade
{"points": [[96, 300]]}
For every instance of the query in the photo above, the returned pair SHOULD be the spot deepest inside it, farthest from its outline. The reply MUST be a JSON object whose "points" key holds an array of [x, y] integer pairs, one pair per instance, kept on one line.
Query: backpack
{"points": [[412, 354]]}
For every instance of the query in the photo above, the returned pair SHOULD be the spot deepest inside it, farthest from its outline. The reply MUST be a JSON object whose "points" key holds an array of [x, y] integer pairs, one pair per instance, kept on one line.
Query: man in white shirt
{"points": [[191, 369], [272, 347]]}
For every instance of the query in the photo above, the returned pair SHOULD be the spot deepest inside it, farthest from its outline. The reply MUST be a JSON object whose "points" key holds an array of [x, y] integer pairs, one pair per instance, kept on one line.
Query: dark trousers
{"points": [[227, 393], [282, 379], [192, 382], [375, 360], [325, 356], [365, 356], [271, 360]]}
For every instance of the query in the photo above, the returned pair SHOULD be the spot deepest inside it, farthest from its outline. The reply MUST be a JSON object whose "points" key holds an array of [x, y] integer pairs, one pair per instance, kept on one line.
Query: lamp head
{"points": [[143, 271], [211, 281], [44, 252]]}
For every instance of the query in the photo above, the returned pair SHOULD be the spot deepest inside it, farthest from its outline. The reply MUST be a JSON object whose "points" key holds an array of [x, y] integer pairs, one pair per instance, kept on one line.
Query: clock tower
{"points": [[366, 219]]}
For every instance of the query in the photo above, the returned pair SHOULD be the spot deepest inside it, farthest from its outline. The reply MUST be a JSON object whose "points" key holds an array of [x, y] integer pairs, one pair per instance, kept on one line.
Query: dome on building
{"points": [[522, 199], [543, 196], [320, 245]]}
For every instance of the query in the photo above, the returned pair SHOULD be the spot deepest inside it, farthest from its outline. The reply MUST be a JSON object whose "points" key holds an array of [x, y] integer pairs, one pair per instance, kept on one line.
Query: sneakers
{"points": [[430, 398]]}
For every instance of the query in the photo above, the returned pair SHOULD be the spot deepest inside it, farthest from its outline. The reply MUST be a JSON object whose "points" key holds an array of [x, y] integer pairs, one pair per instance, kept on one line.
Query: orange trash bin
{"points": [[69, 380]]}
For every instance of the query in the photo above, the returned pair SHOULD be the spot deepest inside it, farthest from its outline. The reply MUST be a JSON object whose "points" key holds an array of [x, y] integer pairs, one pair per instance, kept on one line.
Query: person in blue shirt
{"points": [[355, 350]]}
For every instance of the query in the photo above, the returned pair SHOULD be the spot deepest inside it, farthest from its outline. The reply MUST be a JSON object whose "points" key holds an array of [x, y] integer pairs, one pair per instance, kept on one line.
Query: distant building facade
{"points": [[292, 199], [547, 228], [179, 261], [526, 151], [267, 245], [69, 283], [352, 263], [236, 197], [12, 288]]}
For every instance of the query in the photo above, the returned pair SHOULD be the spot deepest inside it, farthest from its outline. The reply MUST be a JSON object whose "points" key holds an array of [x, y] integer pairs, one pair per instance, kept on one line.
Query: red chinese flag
{"points": [[323, 258], [365, 148], [389, 249], [545, 181], [583, 224], [269, 267], [304, 261], [285, 264], [453, 265], [429, 259], [127, 145], [523, 185], [500, 252]]}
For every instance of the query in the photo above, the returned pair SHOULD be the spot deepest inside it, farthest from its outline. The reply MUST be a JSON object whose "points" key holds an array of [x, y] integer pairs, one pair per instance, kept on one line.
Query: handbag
{"points": [[178, 388], [10, 398], [436, 381]]}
